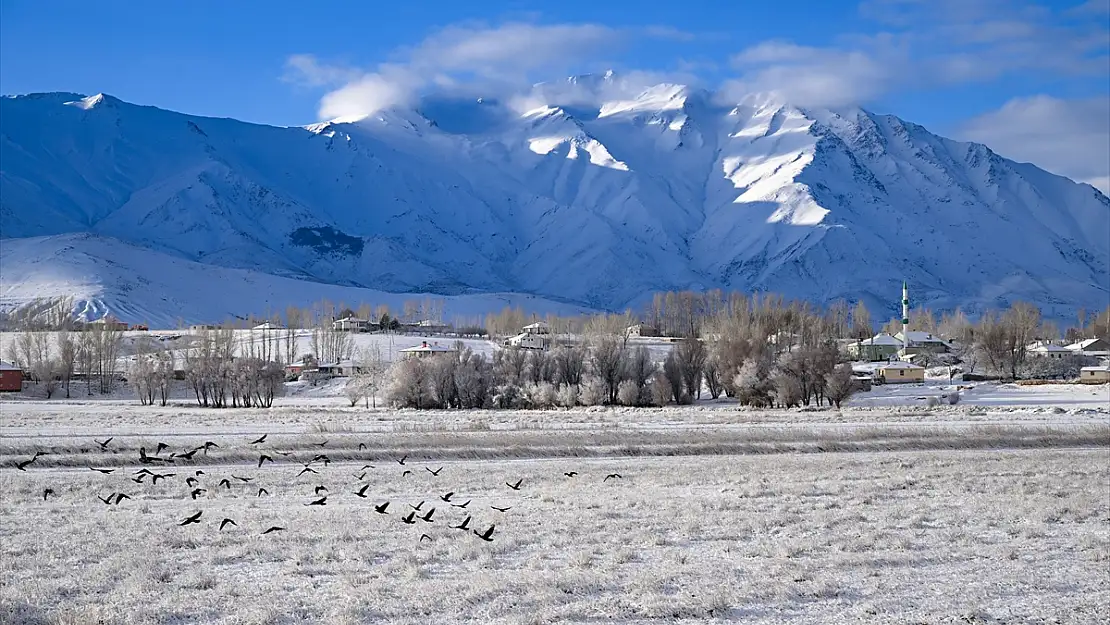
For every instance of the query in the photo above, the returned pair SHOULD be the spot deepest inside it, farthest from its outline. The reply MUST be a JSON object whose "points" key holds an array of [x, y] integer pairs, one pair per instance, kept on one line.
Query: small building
{"points": [[11, 378], [640, 330], [899, 372], [1049, 350], [916, 342], [201, 327], [351, 324], [425, 350], [268, 326], [341, 369], [528, 340], [882, 346], [108, 322], [1090, 347], [1100, 373]]}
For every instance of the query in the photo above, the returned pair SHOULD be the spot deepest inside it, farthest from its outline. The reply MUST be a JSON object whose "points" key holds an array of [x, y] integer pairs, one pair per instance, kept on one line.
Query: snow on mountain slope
{"points": [[139, 285], [587, 195]]}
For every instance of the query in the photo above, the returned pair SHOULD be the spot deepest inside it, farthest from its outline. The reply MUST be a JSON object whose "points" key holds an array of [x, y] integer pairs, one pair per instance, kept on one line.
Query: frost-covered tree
{"points": [[838, 384]]}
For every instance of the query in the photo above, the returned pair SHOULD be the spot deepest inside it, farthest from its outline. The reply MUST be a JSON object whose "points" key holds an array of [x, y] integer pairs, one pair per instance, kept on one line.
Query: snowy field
{"points": [[989, 513]]}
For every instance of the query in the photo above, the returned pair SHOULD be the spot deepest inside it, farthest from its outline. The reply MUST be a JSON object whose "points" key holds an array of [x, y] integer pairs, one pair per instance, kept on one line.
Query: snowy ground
{"points": [[993, 511]]}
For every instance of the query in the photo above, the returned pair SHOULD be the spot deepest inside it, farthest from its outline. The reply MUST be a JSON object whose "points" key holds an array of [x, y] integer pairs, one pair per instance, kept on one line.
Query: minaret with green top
{"points": [[905, 316]]}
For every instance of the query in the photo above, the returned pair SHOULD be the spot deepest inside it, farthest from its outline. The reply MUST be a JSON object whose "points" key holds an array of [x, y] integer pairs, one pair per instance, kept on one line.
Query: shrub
{"points": [[628, 393], [592, 393], [567, 396], [660, 390]]}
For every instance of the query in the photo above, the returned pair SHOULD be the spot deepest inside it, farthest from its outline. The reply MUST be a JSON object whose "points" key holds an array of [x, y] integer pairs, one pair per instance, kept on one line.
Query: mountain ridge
{"points": [[665, 190]]}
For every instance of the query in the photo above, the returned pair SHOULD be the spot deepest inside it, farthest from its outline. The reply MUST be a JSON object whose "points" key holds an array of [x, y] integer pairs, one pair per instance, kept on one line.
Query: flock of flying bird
{"points": [[417, 514]]}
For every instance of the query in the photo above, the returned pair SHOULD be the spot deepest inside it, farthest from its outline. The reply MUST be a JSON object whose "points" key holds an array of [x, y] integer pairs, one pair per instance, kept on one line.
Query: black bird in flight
{"points": [[262, 490], [362, 491], [447, 496], [208, 445], [22, 466], [571, 473], [434, 473], [188, 455], [196, 493], [193, 519], [360, 477], [320, 489], [161, 447], [274, 529], [199, 472], [417, 506], [323, 501], [465, 525], [154, 477], [406, 472], [487, 535], [427, 518], [307, 469], [362, 446], [321, 444], [103, 444], [242, 479], [264, 458], [381, 509], [104, 471], [191, 481], [502, 509], [461, 505], [408, 519], [366, 466], [107, 500], [515, 486], [145, 459], [423, 536], [226, 483], [226, 522], [143, 472], [120, 497], [138, 480], [403, 458], [612, 476], [46, 492], [259, 440]]}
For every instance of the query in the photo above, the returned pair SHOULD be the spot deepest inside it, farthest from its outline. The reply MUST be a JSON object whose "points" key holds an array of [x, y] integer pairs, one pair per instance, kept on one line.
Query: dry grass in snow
{"points": [[912, 537]]}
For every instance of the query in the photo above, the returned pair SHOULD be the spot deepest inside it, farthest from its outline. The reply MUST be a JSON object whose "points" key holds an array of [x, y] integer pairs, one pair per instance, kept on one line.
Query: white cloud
{"points": [[928, 43], [1066, 137], [458, 57]]}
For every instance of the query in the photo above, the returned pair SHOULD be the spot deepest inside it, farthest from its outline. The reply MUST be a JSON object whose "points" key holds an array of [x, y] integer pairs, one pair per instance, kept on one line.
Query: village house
{"points": [[1090, 347], [11, 378], [899, 372], [1048, 350], [917, 342], [641, 330], [351, 324], [268, 326], [532, 336], [1099, 373], [200, 327], [341, 369], [108, 322], [882, 346], [425, 350]]}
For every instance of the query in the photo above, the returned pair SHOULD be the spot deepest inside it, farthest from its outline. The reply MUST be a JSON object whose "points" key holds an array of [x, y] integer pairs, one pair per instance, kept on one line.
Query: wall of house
{"points": [[898, 376], [11, 380]]}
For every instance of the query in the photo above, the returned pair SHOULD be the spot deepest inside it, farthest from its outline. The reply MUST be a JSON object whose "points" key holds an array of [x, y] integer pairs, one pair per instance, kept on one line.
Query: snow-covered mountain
{"points": [[595, 200]]}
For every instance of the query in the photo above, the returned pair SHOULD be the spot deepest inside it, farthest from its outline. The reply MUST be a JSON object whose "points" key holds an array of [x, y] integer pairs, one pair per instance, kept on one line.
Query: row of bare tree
{"points": [[55, 359]]}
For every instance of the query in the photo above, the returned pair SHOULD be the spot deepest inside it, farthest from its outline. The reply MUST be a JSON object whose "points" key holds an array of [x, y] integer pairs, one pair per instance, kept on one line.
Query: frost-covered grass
{"points": [[937, 537]]}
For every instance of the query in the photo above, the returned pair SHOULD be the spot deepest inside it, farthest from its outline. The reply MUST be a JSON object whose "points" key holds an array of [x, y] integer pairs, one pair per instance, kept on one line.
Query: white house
{"points": [[923, 341], [1100, 373], [539, 327], [529, 340], [640, 330], [1090, 347], [1048, 350], [900, 373], [350, 324], [268, 326], [425, 350]]}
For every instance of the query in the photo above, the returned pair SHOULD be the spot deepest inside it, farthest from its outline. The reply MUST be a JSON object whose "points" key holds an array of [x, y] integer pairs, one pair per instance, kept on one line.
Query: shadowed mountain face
{"points": [[596, 205]]}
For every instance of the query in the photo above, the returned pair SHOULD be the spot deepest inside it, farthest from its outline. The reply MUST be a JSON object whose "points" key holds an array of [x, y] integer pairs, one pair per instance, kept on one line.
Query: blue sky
{"points": [[1029, 78]]}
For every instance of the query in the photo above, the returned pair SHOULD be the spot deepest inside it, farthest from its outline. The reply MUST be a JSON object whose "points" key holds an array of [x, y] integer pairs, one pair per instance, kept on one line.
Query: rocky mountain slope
{"points": [[593, 204]]}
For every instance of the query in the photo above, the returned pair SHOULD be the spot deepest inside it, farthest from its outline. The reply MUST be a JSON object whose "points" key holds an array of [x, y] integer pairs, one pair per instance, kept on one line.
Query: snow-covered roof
{"points": [[1082, 345], [1047, 348], [883, 339], [537, 325], [352, 319], [268, 326], [426, 347], [917, 336], [1102, 367], [7, 366], [899, 365]]}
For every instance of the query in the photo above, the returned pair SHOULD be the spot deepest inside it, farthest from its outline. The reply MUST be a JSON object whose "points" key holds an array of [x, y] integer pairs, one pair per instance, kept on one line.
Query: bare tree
{"points": [[690, 354], [609, 365], [67, 358], [570, 362], [713, 377], [838, 384], [672, 371]]}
